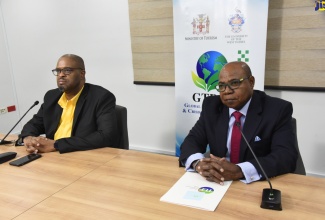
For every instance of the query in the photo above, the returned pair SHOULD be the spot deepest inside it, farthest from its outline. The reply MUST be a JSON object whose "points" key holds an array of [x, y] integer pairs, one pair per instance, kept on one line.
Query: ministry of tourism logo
{"points": [[208, 68], [320, 5], [236, 21], [201, 24]]}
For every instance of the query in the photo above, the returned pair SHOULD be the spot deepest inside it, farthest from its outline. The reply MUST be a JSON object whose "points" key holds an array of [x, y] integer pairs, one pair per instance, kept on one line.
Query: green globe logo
{"points": [[208, 69]]}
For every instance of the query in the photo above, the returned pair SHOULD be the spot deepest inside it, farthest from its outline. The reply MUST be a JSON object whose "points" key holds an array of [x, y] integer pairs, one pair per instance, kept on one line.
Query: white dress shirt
{"points": [[247, 168]]}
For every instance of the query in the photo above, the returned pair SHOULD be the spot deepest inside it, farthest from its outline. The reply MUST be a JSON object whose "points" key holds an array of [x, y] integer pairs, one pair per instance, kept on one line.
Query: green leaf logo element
{"points": [[198, 81], [213, 81]]}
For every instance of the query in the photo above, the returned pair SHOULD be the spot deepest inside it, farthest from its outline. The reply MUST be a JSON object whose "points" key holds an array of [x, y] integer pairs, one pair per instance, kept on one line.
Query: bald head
{"points": [[78, 60], [240, 66]]}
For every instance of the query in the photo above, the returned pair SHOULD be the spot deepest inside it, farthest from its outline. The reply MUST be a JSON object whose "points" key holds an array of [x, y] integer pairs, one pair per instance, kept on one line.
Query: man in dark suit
{"points": [[76, 116], [265, 121]]}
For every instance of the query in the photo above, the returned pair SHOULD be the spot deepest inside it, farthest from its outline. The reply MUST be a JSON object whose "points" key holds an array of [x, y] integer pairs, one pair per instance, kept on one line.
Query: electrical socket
{"points": [[3, 111]]}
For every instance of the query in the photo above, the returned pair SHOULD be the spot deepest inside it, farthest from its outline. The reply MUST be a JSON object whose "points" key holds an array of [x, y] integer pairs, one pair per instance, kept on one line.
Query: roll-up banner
{"points": [[207, 35]]}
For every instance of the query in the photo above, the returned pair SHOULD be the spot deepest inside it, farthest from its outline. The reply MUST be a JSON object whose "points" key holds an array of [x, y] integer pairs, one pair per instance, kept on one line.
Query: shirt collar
{"points": [[63, 100], [243, 110]]}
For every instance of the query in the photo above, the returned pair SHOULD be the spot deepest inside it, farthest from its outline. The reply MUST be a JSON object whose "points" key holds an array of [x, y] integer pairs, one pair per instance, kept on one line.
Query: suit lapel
{"points": [[55, 116], [56, 120], [222, 131], [80, 103], [252, 122]]}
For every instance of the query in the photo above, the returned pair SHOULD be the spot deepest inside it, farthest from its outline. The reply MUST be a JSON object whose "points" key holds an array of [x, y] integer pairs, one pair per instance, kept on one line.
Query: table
{"points": [[110, 183]]}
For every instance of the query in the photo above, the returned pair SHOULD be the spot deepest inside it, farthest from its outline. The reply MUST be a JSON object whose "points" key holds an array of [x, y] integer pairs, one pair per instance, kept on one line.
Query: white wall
{"points": [[7, 91], [308, 108], [40, 31]]}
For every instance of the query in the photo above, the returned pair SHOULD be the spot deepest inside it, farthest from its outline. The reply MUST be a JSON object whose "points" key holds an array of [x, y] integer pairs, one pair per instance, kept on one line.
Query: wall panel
{"points": [[294, 52]]}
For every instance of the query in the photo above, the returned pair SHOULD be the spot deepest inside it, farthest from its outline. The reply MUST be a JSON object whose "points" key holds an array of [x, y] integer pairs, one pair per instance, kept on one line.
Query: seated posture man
{"points": [[264, 120], [76, 116]]}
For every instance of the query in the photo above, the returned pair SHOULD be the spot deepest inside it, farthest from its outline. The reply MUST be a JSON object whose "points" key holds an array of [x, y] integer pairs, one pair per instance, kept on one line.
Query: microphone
{"points": [[2, 142], [271, 198]]}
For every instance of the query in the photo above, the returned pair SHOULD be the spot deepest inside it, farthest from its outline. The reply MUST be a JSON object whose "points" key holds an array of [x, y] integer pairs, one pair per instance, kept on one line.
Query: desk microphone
{"points": [[2, 142], [271, 198]]}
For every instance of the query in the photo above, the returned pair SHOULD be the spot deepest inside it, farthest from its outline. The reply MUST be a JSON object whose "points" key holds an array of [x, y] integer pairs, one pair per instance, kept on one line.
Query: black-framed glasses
{"points": [[65, 71], [233, 84]]}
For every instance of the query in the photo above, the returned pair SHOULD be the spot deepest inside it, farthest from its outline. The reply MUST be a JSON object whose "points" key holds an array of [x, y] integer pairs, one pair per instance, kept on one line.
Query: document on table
{"points": [[195, 191]]}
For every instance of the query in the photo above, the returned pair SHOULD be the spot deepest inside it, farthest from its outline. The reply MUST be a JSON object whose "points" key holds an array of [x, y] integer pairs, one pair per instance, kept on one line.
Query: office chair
{"points": [[300, 168], [122, 127]]}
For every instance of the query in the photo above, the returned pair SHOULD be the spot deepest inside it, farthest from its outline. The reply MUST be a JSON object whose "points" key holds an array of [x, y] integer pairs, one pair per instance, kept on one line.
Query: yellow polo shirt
{"points": [[65, 125]]}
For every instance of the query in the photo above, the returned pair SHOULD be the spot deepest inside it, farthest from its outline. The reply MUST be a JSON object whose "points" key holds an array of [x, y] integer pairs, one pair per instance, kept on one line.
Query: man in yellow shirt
{"points": [[76, 116]]}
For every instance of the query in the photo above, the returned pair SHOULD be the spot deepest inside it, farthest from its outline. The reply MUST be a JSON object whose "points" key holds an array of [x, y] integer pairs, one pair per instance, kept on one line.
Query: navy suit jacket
{"points": [[94, 122], [267, 117]]}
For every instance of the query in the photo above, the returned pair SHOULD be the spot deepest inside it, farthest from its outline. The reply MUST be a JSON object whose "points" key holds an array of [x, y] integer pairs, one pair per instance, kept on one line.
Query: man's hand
{"points": [[38, 144], [30, 142], [218, 169]]}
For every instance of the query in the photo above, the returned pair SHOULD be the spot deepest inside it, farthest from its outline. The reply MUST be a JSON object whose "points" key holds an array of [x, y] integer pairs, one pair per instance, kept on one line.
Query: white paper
{"points": [[195, 191]]}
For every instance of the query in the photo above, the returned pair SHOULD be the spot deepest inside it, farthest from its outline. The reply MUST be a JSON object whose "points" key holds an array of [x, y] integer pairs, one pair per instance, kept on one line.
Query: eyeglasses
{"points": [[65, 71], [233, 84]]}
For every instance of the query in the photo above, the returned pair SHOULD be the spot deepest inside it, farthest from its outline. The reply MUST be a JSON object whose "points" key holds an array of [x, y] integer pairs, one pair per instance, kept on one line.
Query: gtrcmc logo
{"points": [[208, 69], [320, 5], [206, 190]]}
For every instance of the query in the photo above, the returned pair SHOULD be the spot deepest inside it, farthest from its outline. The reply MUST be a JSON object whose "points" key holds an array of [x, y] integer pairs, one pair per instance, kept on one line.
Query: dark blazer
{"points": [[267, 117], [94, 122]]}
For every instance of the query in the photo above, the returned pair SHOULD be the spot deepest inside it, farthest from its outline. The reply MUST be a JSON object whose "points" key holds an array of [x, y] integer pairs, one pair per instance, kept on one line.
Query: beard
{"points": [[61, 88]]}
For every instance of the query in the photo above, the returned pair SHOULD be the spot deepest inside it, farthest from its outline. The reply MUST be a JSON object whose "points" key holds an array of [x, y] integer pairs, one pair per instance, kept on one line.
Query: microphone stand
{"points": [[3, 142], [271, 198]]}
